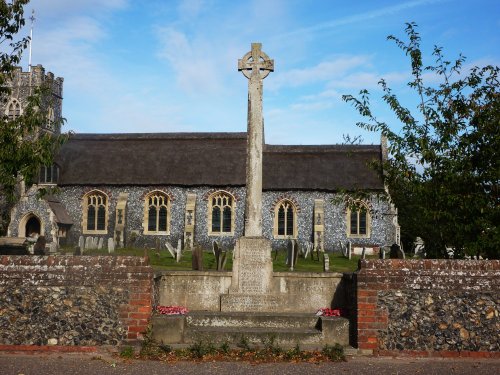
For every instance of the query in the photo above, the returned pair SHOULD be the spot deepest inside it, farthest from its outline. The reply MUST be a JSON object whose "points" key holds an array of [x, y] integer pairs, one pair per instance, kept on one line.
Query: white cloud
{"points": [[324, 71], [189, 9], [361, 17], [195, 63]]}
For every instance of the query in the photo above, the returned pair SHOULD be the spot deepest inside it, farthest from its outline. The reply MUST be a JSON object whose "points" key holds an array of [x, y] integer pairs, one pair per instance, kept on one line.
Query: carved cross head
{"points": [[256, 63]]}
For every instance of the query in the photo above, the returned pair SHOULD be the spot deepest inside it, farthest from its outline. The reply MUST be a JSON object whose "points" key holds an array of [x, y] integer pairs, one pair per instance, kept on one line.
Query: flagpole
{"points": [[32, 18]]}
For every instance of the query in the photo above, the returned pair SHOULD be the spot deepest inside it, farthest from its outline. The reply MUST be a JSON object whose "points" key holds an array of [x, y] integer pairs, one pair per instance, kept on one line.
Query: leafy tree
{"points": [[24, 146], [443, 170]]}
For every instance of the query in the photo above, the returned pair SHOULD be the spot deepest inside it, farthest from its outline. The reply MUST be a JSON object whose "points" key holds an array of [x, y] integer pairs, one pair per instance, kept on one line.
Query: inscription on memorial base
{"points": [[251, 285]]}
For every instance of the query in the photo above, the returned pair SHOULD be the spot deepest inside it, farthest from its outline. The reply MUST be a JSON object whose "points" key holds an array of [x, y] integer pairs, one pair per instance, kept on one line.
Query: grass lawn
{"points": [[162, 260]]}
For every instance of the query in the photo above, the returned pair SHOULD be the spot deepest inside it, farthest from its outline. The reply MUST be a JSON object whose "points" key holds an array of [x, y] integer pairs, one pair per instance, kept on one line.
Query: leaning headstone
{"points": [[343, 249], [171, 250], [326, 262], [220, 257], [99, 244], [363, 253], [308, 247], [215, 247], [111, 245]]}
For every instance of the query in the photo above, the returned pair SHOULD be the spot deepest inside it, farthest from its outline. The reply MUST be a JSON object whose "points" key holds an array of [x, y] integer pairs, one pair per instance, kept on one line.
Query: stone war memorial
{"points": [[236, 196], [252, 302]]}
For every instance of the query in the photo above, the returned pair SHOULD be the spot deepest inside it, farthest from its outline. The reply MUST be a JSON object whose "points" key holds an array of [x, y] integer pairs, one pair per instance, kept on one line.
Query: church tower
{"points": [[24, 84]]}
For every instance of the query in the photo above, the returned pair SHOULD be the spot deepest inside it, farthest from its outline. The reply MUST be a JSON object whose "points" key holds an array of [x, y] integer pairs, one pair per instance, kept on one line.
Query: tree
{"points": [[25, 147], [443, 172]]}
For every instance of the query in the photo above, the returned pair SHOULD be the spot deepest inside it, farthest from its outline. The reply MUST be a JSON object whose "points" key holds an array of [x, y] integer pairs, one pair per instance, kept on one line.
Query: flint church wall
{"points": [[382, 232]]}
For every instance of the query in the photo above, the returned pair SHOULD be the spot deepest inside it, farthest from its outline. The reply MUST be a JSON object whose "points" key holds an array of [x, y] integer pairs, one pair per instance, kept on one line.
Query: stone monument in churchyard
{"points": [[251, 286]]}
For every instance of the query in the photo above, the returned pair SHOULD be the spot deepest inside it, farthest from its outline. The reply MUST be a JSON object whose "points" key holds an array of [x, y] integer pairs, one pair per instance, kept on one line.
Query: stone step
{"points": [[251, 320], [255, 336], [286, 330]]}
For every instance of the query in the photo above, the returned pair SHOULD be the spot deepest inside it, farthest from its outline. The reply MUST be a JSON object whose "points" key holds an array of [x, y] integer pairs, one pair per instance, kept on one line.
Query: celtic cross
{"points": [[255, 66]]}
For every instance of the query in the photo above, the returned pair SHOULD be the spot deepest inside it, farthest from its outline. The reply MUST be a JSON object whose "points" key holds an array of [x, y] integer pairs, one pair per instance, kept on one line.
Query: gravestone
{"points": [[326, 262], [215, 247], [88, 243], [396, 252], [419, 247], [53, 247], [95, 242], [171, 249], [81, 244], [99, 244], [39, 248], [363, 253], [292, 254], [111, 245], [308, 247], [179, 251], [197, 259], [220, 257]]}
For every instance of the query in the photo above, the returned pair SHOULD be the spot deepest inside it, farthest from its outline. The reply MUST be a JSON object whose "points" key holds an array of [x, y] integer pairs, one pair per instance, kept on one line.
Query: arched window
{"points": [[13, 109], [221, 214], [157, 213], [358, 221], [95, 213], [285, 220]]}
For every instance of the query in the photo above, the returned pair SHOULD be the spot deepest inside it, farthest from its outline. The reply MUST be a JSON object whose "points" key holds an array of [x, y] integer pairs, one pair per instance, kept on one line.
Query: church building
{"points": [[146, 189]]}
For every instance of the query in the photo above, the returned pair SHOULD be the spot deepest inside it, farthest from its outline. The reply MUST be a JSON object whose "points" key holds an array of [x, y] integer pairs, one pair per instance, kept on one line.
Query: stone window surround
{"points": [[45, 169], [12, 107], [277, 206], [85, 212], [146, 213], [364, 205], [209, 214]]}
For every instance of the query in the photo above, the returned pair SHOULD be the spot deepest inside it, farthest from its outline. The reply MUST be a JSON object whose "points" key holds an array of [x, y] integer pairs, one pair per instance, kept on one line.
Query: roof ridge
{"points": [[165, 135]]}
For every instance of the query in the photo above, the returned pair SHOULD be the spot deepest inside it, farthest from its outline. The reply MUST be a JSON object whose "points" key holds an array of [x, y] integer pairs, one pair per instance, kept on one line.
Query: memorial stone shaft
{"points": [[255, 66]]}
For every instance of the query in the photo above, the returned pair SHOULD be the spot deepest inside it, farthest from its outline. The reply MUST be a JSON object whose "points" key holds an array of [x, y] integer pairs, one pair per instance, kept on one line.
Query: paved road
{"points": [[69, 364]]}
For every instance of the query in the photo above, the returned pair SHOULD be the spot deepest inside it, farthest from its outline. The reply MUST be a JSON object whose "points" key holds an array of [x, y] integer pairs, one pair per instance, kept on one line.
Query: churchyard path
{"points": [[97, 364]]}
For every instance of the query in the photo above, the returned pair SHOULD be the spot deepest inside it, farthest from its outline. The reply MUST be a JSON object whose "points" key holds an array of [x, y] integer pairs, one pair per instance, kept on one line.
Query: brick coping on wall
{"points": [[374, 276]]}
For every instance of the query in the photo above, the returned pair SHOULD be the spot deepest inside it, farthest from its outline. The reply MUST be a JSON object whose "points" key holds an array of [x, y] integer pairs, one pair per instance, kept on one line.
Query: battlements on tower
{"points": [[23, 84], [36, 78]]}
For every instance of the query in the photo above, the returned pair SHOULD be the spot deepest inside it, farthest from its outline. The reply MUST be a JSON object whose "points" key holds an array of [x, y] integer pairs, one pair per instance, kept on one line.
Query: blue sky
{"points": [[171, 66]]}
